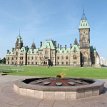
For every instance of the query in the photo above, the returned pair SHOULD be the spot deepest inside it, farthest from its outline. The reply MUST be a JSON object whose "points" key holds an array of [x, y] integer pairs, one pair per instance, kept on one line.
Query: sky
{"points": [[39, 20]]}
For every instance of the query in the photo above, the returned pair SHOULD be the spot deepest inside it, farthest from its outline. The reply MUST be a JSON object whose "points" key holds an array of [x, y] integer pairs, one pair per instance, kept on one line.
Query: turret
{"points": [[84, 32], [76, 42], [19, 42], [33, 46]]}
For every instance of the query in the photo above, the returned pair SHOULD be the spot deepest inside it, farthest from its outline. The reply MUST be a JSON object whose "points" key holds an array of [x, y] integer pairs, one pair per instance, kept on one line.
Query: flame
{"points": [[61, 74]]}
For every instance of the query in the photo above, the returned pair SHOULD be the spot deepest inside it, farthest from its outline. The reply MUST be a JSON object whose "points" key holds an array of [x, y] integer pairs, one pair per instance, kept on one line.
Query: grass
{"points": [[100, 73]]}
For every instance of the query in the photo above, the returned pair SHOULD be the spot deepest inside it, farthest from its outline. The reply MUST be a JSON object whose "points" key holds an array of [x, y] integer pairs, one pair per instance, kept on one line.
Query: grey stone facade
{"points": [[78, 54]]}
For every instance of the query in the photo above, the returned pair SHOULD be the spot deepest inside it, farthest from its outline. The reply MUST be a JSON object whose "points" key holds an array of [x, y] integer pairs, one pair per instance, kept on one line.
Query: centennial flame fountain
{"points": [[58, 88]]}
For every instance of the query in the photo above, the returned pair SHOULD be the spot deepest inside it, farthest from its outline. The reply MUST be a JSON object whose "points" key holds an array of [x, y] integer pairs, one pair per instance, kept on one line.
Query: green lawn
{"points": [[100, 73]]}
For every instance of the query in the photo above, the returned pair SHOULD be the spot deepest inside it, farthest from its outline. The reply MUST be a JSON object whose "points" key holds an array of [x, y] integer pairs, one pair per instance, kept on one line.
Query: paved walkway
{"points": [[8, 98]]}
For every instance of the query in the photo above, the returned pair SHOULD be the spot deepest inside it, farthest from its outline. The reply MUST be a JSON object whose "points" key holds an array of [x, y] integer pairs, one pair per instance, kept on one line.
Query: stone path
{"points": [[8, 98]]}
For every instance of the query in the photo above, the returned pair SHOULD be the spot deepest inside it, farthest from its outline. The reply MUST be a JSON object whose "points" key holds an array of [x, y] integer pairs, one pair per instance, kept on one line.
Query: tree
{"points": [[3, 61], [0, 60]]}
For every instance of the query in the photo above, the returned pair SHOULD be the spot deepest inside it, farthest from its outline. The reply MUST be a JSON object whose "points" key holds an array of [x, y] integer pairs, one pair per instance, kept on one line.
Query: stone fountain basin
{"points": [[23, 87]]}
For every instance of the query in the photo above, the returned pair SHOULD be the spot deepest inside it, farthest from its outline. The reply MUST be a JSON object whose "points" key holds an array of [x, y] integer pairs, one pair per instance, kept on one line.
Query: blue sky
{"points": [[39, 20]]}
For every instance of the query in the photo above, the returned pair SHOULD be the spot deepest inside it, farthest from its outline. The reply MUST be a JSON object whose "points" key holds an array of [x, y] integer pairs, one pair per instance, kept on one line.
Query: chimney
{"points": [[70, 45], [55, 43], [12, 49], [65, 46], [60, 46], [40, 44], [7, 51]]}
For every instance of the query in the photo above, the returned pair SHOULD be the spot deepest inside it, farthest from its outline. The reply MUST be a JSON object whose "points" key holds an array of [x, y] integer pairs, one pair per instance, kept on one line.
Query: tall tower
{"points": [[19, 42], [84, 32]]}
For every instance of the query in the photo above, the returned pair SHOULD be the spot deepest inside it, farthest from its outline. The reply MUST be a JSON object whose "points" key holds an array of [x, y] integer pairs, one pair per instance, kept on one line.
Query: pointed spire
{"points": [[33, 46], [19, 31], [76, 42], [83, 16], [83, 22]]}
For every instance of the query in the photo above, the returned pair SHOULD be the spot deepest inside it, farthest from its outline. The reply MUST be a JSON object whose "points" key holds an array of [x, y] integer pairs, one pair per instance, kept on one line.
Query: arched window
{"points": [[66, 63], [36, 63], [12, 58], [58, 57], [74, 57], [66, 57]]}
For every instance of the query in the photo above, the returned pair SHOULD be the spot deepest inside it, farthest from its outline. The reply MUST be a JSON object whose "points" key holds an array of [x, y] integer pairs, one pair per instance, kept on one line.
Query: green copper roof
{"points": [[83, 22], [32, 51], [63, 50], [23, 50], [48, 44], [75, 48], [92, 49]]}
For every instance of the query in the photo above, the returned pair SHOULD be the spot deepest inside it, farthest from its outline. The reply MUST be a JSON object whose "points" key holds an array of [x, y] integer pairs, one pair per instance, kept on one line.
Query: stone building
{"points": [[77, 54]]}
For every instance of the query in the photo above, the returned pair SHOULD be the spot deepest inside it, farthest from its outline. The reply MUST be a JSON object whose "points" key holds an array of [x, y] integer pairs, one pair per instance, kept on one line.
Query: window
{"points": [[28, 63], [21, 58], [8, 58], [36, 63], [74, 57], [32, 57], [52, 52], [16, 53], [32, 63], [66, 57], [67, 51], [62, 63], [66, 63], [12, 58], [21, 53], [58, 57]]}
